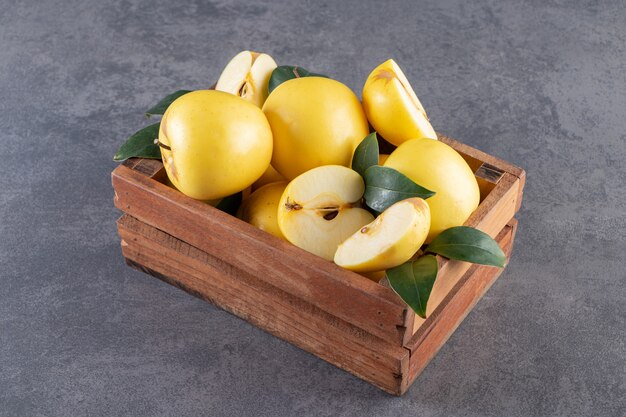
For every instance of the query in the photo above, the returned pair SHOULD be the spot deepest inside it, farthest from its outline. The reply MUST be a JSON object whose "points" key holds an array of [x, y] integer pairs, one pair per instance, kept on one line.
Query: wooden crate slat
{"points": [[382, 364], [341, 357], [494, 213], [245, 286], [440, 325], [331, 288], [378, 362]]}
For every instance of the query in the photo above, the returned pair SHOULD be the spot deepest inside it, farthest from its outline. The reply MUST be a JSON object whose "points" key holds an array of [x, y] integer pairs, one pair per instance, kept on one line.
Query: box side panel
{"points": [[491, 217], [378, 361], [339, 292], [440, 325]]}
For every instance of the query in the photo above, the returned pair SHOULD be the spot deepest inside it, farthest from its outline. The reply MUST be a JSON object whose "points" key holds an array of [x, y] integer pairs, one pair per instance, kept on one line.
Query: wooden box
{"points": [[346, 319]]}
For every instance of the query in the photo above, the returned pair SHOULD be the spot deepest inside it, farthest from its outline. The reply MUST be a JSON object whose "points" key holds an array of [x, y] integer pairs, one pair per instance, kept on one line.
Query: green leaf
{"points": [[385, 186], [140, 145], [366, 154], [413, 282], [162, 105], [288, 72], [230, 204], [469, 245]]}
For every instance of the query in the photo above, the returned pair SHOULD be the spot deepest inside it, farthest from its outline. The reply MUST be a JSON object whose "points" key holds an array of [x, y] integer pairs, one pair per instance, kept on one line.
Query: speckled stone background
{"points": [[538, 83]]}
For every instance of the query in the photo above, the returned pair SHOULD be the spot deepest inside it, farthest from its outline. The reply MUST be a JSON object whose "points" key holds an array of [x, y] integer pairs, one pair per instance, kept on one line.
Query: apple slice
{"points": [[392, 107], [247, 76], [390, 240], [320, 208]]}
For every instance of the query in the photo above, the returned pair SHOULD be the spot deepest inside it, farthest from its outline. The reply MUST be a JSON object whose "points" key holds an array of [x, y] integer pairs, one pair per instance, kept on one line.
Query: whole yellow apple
{"points": [[438, 167], [261, 207], [214, 144], [269, 176], [315, 121]]}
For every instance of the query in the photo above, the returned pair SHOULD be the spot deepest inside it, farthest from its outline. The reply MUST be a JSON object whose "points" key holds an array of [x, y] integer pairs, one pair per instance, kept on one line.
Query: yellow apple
{"points": [[438, 167], [247, 75], [375, 276], [214, 144], [270, 175], [321, 208], [392, 107], [389, 241], [261, 207], [315, 121], [213, 202]]}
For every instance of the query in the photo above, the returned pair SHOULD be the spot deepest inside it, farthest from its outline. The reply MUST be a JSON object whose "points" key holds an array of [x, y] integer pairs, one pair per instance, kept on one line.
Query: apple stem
{"points": [[164, 146], [292, 206]]}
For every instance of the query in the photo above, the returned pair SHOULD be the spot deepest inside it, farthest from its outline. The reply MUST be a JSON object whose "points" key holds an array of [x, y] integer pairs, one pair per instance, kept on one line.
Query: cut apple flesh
{"points": [[247, 75], [412, 102], [235, 74], [320, 209], [390, 240], [406, 87], [392, 107]]}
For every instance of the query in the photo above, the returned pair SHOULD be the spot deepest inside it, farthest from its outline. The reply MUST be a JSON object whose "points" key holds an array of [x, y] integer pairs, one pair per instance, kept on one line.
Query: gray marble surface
{"points": [[537, 83]]}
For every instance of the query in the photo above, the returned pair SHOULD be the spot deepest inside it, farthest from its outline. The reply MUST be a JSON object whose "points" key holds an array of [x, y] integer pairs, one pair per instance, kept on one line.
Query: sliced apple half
{"points": [[320, 208], [390, 240], [247, 75], [392, 107]]}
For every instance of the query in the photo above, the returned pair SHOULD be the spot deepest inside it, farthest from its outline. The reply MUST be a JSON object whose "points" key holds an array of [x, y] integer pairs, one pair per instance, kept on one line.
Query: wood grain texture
{"points": [[297, 321], [459, 301], [383, 363], [342, 293], [494, 212]]}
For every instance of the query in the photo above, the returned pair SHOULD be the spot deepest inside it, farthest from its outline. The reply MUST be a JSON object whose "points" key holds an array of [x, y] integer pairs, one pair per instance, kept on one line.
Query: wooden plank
{"points": [[487, 177], [341, 293], [375, 360], [149, 167], [493, 214], [489, 173], [294, 320], [370, 358], [450, 313], [498, 208], [501, 187], [243, 284]]}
